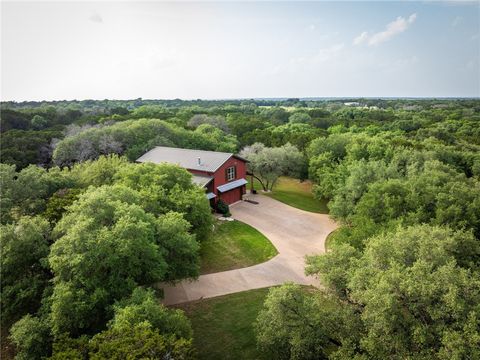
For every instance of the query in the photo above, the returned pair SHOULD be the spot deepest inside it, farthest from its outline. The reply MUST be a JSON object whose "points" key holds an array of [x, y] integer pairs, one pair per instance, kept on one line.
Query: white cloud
{"points": [[394, 28], [311, 27], [360, 38]]}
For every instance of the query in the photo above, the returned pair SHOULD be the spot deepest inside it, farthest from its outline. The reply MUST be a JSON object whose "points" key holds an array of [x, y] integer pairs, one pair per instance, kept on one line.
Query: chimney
{"points": [[199, 161]]}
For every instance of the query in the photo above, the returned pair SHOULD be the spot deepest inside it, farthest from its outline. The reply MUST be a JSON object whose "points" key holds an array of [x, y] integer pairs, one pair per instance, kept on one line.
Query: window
{"points": [[231, 173]]}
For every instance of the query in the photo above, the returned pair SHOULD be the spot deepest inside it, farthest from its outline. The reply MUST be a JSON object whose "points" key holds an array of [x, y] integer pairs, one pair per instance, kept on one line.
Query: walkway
{"points": [[295, 233]]}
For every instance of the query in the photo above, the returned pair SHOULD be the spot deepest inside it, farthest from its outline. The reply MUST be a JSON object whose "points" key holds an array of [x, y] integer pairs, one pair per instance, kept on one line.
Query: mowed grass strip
{"points": [[297, 194], [223, 326], [234, 245]]}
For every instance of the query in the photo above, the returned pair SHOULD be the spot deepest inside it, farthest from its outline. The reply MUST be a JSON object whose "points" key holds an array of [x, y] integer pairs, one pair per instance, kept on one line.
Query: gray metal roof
{"points": [[187, 158], [211, 196], [231, 185], [201, 180]]}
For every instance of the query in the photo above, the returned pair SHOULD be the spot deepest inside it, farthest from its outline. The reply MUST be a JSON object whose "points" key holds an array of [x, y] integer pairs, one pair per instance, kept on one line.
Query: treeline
{"points": [[38, 127], [82, 250], [402, 277]]}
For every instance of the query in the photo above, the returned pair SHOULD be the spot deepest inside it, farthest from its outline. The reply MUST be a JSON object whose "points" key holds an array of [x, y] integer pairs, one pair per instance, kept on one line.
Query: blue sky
{"points": [[239, 50]]}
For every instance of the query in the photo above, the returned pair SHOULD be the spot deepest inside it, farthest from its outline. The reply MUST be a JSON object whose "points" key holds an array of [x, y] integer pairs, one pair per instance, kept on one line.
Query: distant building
{"points": [[353, 104], [221, 174]]}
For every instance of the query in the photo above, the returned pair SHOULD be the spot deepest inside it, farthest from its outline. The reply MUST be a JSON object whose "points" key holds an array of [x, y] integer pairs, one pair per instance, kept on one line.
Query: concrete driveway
{"points": [[295, 233]]}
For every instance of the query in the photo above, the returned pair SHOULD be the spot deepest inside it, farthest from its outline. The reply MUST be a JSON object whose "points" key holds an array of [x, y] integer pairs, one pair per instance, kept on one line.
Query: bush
{"points": [[223, 208]]}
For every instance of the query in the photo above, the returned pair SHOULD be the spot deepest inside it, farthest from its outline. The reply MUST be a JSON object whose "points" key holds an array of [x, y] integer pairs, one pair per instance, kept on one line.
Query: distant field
{"points": [[295, 193], [234, 245], [286, 108], [223, 325]]}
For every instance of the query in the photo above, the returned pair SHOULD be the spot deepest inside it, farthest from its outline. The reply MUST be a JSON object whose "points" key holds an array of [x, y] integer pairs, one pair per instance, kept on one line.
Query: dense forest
{"points": [[86, 233]]}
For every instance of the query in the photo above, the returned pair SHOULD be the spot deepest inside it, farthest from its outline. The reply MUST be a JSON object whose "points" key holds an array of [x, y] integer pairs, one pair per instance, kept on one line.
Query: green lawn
{"points": [[234, 245], [223, 325], [295, 193], [330, 240]]}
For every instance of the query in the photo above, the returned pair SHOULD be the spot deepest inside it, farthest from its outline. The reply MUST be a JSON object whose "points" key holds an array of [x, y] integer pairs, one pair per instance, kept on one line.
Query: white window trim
{"points": [[231, 173]]}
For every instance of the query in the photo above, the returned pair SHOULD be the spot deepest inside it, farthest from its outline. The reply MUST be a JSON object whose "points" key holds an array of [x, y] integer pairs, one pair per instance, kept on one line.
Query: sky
{"points": [[222, 50]]}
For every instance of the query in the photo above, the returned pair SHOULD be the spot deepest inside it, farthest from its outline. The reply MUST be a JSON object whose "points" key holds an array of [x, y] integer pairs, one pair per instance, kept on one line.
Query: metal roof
{"points": [[201, 180], [231, 185], [209, 161], [210, 196]]}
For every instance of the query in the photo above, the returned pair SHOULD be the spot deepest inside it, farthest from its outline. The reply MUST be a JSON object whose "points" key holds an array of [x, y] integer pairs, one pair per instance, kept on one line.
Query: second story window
{"points": [[231, 173]]}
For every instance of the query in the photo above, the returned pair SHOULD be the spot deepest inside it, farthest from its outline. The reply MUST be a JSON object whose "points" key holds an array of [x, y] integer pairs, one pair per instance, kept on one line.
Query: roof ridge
{"points": [[185, 149]]}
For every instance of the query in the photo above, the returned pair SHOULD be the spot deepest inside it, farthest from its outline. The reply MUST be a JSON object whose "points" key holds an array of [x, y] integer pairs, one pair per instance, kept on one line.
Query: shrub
{"points": [[223, 208]]}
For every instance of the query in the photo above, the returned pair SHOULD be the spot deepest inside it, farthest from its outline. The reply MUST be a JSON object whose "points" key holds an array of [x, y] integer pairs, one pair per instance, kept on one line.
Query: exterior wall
{"points": [[220, 178], [241, 173], [232, 196]]}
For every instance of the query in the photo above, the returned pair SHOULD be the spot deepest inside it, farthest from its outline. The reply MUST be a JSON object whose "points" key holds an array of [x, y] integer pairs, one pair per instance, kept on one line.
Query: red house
{"points": [[221, 174]]}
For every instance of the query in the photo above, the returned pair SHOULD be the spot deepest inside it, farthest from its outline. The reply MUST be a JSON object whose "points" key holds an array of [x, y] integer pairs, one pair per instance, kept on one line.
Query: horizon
{"points": [[225, 51], [309, 98]]}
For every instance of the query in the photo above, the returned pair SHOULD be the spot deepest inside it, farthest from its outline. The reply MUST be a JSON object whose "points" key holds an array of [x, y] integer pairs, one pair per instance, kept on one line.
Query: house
{"points": [[221, 174]]}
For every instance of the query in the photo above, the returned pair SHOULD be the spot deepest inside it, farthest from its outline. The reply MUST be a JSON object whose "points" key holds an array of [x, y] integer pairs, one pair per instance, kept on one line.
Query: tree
{"points": [[7, 191], [141, 327], [24, 270], [59, 202], [166, 187], [299, 118], [216, 121], [413, 291], [26, 192], [106, 246], [142, 306], [299, 324], [99, 172], [268, 164], [31, 335], [138, 342], [39, 122]]}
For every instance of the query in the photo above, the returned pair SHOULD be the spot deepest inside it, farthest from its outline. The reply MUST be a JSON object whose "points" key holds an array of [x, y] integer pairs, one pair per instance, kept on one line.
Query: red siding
{"points": [[241, 173], [233, 195]]}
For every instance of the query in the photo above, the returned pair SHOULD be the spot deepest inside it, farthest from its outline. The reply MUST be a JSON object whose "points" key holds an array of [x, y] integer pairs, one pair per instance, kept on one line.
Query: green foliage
{"points": [[180, 248], [31, 335], [167, 187], [59, 202], [135, 137], [300, 117], [24, 270], [296, 324], [142, 306], [223, 208], [138, 342], [26, 192], [99, 172], [268, 164], [39, 122], [106, 246], [140, 327], [413, 291]]}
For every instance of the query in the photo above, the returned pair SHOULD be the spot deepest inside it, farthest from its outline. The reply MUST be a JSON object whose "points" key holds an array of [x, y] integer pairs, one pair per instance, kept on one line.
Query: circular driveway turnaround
{"points": [[295, 233]]}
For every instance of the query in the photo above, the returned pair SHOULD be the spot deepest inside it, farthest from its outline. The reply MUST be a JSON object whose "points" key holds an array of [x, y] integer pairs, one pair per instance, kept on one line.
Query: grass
{"points": [[223, 326], [330, 240], [295, 193], [234, 245]]}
